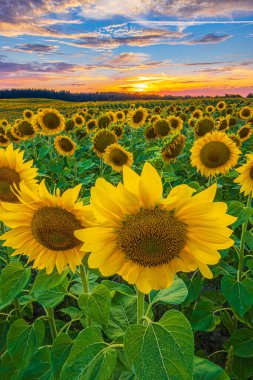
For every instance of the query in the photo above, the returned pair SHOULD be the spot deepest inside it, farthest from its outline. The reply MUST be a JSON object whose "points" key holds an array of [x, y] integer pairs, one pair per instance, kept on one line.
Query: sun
{"points": [[140, 87]]}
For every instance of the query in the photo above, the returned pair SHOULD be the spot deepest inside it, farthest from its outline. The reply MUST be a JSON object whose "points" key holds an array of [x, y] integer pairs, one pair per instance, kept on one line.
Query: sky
{"points": [[178, 47]]}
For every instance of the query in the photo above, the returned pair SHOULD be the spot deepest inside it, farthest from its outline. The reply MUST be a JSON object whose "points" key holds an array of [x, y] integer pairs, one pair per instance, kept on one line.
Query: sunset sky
{"points": [[174, 47]]}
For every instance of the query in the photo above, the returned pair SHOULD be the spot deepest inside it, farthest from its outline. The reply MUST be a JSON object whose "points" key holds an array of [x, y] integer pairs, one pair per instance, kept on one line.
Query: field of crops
{"points": [[127, 240]]}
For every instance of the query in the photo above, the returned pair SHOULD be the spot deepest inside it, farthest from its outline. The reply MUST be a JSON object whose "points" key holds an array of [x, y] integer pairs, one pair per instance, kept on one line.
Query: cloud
{"points": [[210, 38], [32, 48]]}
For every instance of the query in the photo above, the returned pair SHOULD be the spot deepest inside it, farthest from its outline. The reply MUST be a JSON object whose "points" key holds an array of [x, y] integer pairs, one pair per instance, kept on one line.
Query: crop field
{"points": [[126, 239]]}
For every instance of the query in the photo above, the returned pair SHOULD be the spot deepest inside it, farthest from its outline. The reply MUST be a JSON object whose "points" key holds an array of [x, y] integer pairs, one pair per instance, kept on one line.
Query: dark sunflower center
{"points": [[251, 173], [162, 127], [65, 144], [79, 120], [25, 128], [51, 121], [7, 178], [3, 140], [246, 112], [53, 227], [244, 132], [204, 126], [174, 123], [152, 237], [214, 154], [138, 116], [118, 157], [150, 133], [103, 141]]}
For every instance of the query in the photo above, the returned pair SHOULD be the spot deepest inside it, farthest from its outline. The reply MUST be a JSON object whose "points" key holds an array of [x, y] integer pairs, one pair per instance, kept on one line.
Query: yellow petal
{"points": [[150, 187]]}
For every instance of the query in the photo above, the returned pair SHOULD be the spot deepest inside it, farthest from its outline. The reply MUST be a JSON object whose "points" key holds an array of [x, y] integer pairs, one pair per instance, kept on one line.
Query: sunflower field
{"points": [[126, 240]]}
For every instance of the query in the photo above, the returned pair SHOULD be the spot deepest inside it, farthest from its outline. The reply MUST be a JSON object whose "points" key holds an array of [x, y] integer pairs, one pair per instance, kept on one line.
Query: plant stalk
{"points": [[140, 306], [242, 244]]}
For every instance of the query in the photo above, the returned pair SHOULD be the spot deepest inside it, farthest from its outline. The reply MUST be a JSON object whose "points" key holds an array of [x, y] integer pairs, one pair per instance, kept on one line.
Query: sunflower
{"points": [[4, 141], [173, 148], [197, 114], [91, 125], [245, 179], [147, 239], [43, 225], [111, 116], [150, 133], [70, 125], [14, 170], [120, 116], [118, 130], [79, 120], [28, 114], [175, 123], [4, 123], [245, 132], [25, 130], [10, 135], [116, 156], [214, 153], [192, 122], [210, 109], [221, 106], [232, 120], [51, 121], [236, 138], [203, 126], [65, 145], [245, 113], [162, 127], [80, 133], [35, 123], [222, 124], [103, 121], [102, 139], [137, 117]]}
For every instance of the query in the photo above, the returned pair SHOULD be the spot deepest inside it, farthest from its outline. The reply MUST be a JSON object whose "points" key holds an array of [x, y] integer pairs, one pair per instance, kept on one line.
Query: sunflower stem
{"points": [[84, 279], [242, 244], [101, 167], [209, 181], [51, 321], [140, 306]]}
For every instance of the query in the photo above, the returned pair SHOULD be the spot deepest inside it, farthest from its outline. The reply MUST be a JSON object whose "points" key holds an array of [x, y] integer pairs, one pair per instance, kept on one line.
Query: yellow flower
{"points": [[137, 117], [162, 127], [51, 121], [116, 156], [4, 141], [43, 225], [245, 132], [210, 109], [79, 120], [25, 130], [176, 124], [65, 145], [102, 139], [147, 239], [245, 179], [203, 126], [173, 148], [120, 116], [221, 106], [14, 170], [27, 114], [91, 125], [214, 153], [245, 113]]}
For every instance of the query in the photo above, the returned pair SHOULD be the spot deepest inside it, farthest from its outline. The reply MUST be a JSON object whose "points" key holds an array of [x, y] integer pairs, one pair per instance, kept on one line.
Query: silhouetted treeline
{"points": [[90, 97]]}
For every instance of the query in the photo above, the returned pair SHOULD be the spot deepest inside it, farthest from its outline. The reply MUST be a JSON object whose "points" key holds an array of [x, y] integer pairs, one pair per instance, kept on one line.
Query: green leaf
{"points": [[4, 328], [52, 296], [242, 342], [161, 350], [121, 288], [39, 367], [239, 294], [8, 371], [90, 357], [205, 370], [13, 280], [122, 315], [44, 282], [60, 352], [96, 304], [174, 295], [23, 340], [202, 318], [242, 367], [249, 239], [194, 286]]}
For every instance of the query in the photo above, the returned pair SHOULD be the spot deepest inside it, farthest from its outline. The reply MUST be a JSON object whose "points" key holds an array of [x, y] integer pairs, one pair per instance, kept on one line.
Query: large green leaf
{"points": [[117, 286], [13, 280], [60, 352], [242, 342], [39, 366], [44, 282], [122, 315], [8, 370], [161, 350], [194, 286], [202, 317], [52, 296], [242, 367], [205, 370], [23, 341], [174, 295], [96, 304], [239, 294], [90, 358]]}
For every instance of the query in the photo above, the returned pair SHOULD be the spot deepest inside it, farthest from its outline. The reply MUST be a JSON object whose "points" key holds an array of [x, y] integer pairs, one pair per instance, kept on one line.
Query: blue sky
{"points": [[166, 47]]}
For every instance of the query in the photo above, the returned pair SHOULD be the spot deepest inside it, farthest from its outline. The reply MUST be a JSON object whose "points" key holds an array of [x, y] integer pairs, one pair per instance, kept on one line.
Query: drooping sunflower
{"points": [[203, 126], [14, 170], [192, 122], [137, 117], [118, 130], [150, 133], [43, 225], [91, 126], [147, 239], [10, 135], [70, 125], [28, 114], [116, 156], [245, 112], [232, 120], [35, 123], [25, 130], [236, 138], [162, 127], [65, 145], [4, 141], [80, 133], [112, 116], [214, 153], [51, 121], [245, 178], [221, 106], [104, 121], [175, 123], [222, 124], [102, 139], [245, 132], [173, 148]]}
